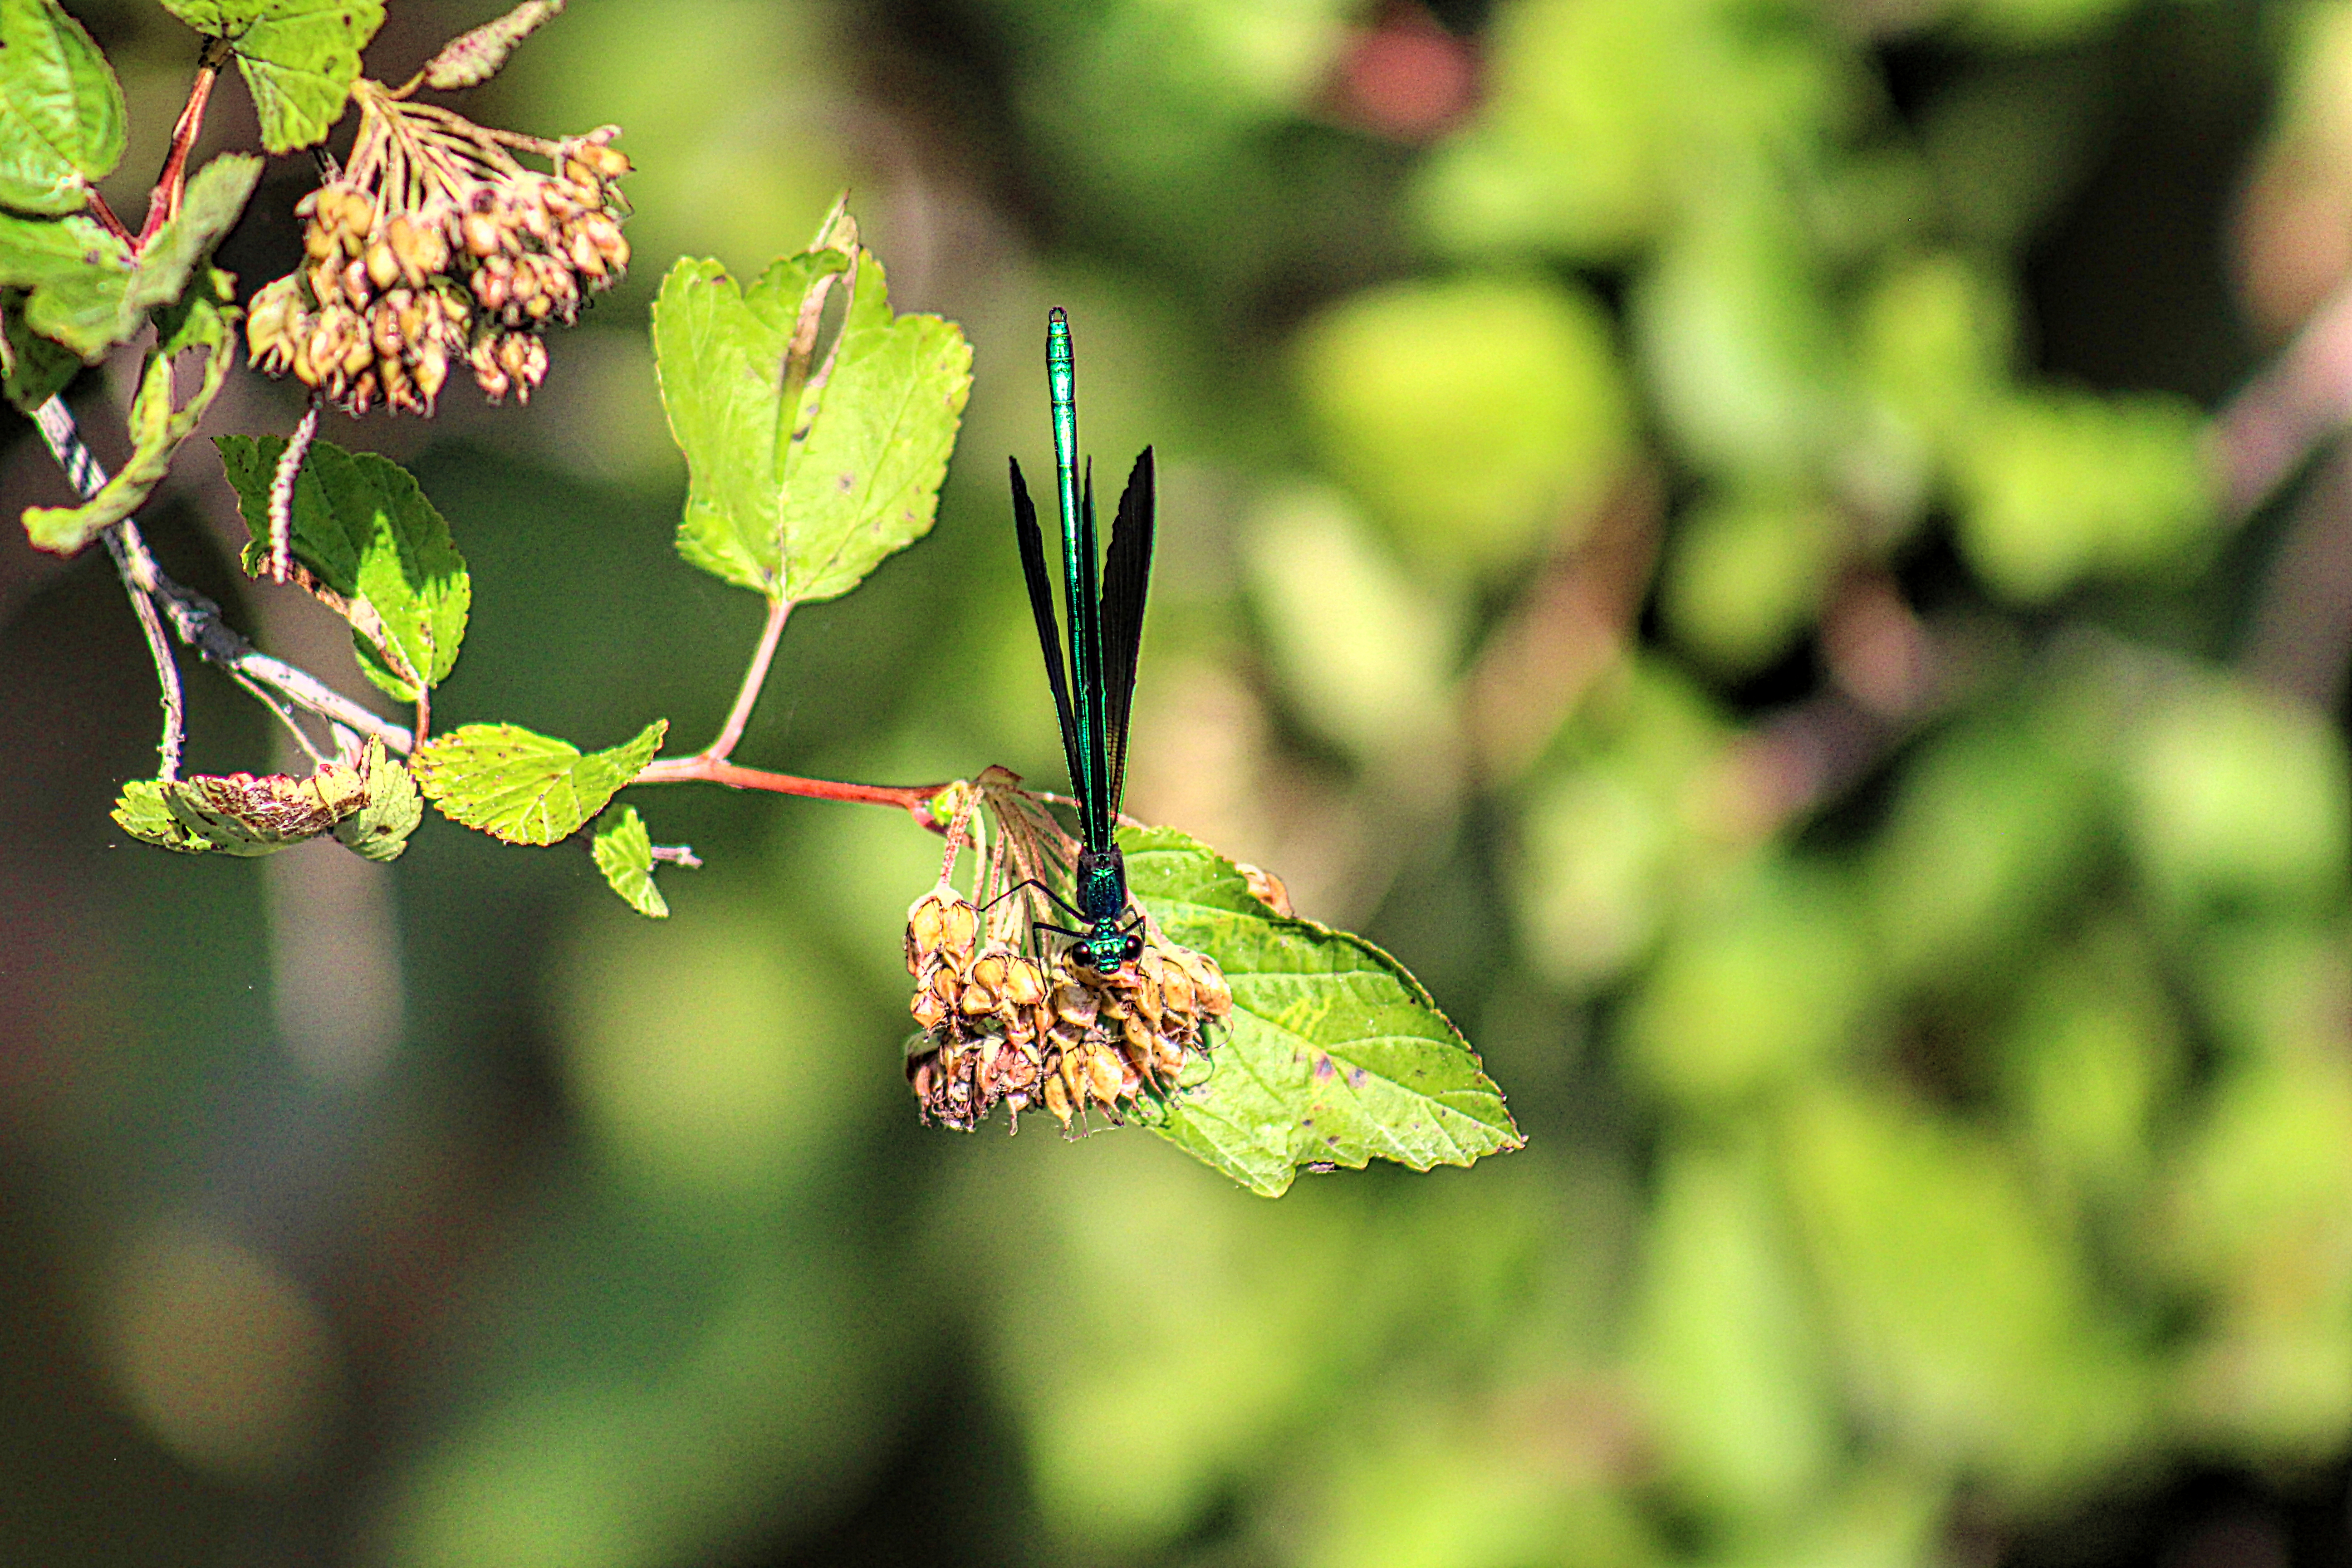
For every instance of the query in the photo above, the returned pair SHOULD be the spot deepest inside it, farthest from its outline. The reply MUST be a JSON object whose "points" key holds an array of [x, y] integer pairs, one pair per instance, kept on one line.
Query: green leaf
{"points": [[157, 427], [85, 291], [624, 851], [299, 57], [522, 787], [377, 553], [379, 830], [1333, 1054], [2059, 486], [215, 199], [61, 113], [34, 368], [144, 812], [77, 279], [1506, 441], [800, 502]]}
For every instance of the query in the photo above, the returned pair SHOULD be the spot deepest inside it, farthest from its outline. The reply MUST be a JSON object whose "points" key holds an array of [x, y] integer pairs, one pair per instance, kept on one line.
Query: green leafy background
{"points": [[1952, 1165]]}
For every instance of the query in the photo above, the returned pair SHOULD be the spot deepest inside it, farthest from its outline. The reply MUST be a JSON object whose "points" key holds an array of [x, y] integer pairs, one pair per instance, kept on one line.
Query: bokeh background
{"points": [[1727, 533]]}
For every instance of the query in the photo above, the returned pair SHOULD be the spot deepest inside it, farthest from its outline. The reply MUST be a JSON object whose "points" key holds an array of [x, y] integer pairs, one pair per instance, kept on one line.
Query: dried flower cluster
{"points": [[438, 249], [998, 1025]]}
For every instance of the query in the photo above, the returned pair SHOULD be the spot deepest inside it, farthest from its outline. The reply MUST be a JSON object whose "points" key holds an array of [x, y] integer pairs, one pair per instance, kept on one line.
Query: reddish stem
{"points": [[106, 218], [915, 800], [165, 205]]}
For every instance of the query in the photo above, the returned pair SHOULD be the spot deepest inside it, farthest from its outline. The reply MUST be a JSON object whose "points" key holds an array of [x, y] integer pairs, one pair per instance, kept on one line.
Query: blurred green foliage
{"points": [[1625, 549]]}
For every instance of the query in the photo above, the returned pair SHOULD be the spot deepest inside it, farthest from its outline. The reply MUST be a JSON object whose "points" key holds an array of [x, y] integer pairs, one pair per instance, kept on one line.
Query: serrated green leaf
{"points": [[84, 289], [215, 199], [801, 503], [144, 812], [61, 112], [157, 428], [377, 547], [523, 787], [379, 830], [299, 57], [624, 851], [1334, 1054]]}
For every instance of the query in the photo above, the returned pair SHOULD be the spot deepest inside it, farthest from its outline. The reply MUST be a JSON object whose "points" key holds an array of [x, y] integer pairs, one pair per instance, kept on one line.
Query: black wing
{"points": [[1127, 577], [1041, 607]]}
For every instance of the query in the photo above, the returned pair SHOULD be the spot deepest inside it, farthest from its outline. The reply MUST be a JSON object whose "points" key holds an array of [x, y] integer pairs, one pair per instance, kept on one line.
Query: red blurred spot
{"points": [[1407, 78]]}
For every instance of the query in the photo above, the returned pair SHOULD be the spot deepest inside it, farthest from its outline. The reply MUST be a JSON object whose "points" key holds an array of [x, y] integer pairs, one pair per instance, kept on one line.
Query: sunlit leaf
{"points": [[523, 787], [375, 549], [1334, 1055], [145, 811], [299, 57], [82, 287], [61, 113], [157, 425], [802, 502], [379, 830], [623, 852]]}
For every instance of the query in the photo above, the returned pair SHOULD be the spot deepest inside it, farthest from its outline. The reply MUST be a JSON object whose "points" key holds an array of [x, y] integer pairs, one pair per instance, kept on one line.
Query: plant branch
{"points": [[915, 800], [106, 218], [754, 678], [2265, 433], [172, 182], [56, 426], [197, 620], [2299, 637]]}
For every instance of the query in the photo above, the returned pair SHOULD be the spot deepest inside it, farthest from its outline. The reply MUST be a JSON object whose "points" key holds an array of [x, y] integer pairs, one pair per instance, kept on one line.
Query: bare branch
{"points": [[82, 471], [197, 620], [2300, 637], [2278, 419]]}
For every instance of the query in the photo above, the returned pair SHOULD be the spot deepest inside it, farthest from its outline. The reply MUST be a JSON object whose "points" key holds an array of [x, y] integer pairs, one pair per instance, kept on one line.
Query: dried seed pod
{"points": [[1176, 993], [274, 309], [524, 357], [383, 266], [1056, 1096], [1025, 983], [480, 235]]}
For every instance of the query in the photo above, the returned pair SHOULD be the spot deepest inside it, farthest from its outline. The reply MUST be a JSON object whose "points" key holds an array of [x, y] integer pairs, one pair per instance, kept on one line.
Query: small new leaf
{"points": [[199, 325], [370, 547], [379, 830], [299, 57], [624, 851], [1334, 1054], [472, 58], [803, 479], [61, 114], [522, 787]]}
